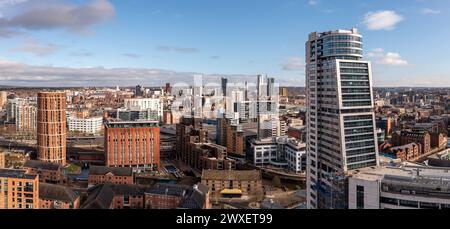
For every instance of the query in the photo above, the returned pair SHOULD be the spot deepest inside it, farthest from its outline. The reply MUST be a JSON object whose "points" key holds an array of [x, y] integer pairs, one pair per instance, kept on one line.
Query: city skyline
{"points": [[108, 42]]}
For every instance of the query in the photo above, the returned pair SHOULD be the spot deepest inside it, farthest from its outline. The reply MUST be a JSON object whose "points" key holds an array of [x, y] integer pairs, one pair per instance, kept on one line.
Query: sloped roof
{"points": [[103, 170], [41, 165], [56, 192]]}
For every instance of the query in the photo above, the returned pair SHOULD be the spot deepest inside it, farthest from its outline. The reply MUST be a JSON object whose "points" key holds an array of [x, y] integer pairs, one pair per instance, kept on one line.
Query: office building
{"points": [[18, 190], [52, 127], [91, 125], [403, 187], [224, 84], [132, 144], [139, 91], [340, 115], [141, 109], [295, 154]]}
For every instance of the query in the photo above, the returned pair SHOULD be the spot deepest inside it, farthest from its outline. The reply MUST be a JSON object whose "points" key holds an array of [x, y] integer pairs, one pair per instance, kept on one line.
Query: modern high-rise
{"points": [[267, 101], [340, 115], [26, 115], [224, 83], [52, 127]]}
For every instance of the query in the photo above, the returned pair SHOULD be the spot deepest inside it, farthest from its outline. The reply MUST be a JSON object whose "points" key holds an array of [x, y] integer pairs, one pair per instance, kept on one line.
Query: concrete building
{"points": [[405, 187], [273, 128], [262, 152], [295, 154], [139, 91], [132, 144], [53, 196], [91, 125], [281, 152], [25, 115], [125, 114], [145, 104], [52, 127], [18, 190], [109, 175], [340, 115], [233, 184]]}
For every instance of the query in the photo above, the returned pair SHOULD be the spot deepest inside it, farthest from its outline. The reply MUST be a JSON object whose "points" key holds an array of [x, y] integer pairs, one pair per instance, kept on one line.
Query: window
{"points": [[360, 197], [126, 200], [386, 200], [429, 205], [409, 203]]}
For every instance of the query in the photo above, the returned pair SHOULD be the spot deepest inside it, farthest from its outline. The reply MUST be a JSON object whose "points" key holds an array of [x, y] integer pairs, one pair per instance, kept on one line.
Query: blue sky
{"points": [[82, 42]]}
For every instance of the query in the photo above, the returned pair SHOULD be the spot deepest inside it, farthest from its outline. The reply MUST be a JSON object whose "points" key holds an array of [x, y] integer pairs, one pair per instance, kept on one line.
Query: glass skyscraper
{"points": [[340, 115]]}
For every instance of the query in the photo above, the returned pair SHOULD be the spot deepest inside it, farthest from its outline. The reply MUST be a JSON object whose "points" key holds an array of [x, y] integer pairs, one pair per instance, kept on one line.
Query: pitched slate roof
{"points": [[102, 195], [41, 165], [56, 192], [103, 170]]}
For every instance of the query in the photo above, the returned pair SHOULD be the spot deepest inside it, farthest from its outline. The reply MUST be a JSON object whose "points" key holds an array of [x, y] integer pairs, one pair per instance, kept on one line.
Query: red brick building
{"points": [[172, 196], [160, 196], [406, 137], [406, 152], [57, 197], [48, 172], [133, 144], [51, 127], [110, 175], [438, 140]]}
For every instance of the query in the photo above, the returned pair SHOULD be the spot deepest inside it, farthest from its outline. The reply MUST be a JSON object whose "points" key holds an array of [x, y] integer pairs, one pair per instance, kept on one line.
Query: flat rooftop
{"points": [[406, 173]]}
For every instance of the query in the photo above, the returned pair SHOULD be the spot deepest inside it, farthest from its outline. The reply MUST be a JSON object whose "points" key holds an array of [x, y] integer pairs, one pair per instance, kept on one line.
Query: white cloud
{"points": [[294, 63], [167, 48], [387, 58], [313, 2], [382, 20], [429, 11], [36, 48], [24, 75], [50, 15]]}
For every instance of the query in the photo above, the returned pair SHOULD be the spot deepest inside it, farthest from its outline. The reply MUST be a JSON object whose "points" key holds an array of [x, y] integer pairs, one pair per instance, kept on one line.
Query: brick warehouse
{"points": [[133, 144], [51, 127]]}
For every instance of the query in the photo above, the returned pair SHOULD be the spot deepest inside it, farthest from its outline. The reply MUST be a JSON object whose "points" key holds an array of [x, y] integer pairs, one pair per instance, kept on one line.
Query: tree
{"points": [[277, 182]]}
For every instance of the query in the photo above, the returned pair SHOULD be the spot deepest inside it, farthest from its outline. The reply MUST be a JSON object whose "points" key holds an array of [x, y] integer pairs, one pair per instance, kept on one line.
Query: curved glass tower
{"points": [[340, 115]]}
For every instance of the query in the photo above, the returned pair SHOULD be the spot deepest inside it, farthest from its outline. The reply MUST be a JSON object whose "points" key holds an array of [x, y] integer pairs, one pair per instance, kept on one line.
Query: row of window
{"points": [[413, 204]]}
